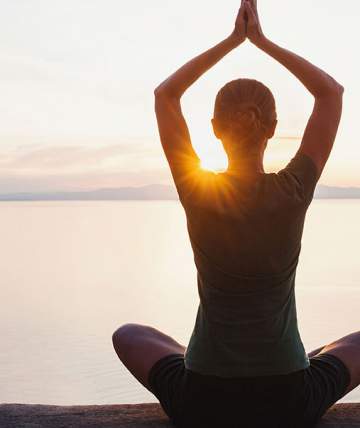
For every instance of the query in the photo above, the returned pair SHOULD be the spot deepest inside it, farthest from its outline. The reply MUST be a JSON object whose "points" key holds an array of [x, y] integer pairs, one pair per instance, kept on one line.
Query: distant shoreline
{"points": [[154, 192], [147, 200]]}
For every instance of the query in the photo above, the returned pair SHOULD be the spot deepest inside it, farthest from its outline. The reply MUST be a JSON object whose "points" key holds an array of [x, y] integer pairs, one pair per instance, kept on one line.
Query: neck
{"points": [[248, 165], [242, 162]]}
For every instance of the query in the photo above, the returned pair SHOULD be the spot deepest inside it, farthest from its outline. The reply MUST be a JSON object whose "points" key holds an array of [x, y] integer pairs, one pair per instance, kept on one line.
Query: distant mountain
{"points": [[153, 192], [328, 192]]}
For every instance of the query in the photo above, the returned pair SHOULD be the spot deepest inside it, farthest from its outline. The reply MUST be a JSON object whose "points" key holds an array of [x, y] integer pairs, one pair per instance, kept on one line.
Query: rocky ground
{"points": [[128, 416]]}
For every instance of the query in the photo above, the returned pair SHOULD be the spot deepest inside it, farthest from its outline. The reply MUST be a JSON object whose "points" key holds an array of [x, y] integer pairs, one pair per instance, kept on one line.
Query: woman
{"points": [[245, 364]]}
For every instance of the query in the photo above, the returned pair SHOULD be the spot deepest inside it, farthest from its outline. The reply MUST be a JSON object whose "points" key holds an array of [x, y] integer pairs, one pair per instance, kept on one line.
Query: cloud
{"points": [[63, 167], [40, 159]]}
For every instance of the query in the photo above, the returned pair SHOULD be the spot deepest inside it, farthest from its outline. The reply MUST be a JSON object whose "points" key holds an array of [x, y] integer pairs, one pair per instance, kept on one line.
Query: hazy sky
{"points": [[77, 80]]}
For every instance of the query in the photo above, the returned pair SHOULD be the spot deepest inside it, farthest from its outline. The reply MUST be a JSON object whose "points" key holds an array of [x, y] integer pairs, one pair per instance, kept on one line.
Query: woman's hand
{"points": [[253, 28], [239, 33]]}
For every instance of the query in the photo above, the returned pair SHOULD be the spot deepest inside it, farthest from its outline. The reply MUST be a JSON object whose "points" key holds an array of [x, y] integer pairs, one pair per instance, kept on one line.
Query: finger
{"points": [[243, 16], [251, 14], [242, 7], [242, 12], [253, 4], [251, 11], [254, 7], [239, 15]]}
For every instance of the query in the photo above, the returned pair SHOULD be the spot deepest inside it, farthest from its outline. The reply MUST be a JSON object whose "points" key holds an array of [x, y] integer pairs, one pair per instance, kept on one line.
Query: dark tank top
{"points": [[246, 239]]}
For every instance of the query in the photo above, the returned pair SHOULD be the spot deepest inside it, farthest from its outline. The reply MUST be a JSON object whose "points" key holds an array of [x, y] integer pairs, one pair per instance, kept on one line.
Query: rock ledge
{"points": [[128, 416]]}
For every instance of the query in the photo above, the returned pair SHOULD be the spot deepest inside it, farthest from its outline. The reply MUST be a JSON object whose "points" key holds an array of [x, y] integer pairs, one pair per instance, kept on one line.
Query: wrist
{"points": [[260, 42], [235, 40]]}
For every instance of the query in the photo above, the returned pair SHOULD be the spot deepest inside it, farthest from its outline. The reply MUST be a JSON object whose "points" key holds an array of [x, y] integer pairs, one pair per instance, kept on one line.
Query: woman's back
{"points": [[246, 251]]}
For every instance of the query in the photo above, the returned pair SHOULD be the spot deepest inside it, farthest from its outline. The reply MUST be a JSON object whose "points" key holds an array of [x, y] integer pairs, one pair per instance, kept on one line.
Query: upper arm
{"points": [[175, 139], [321, 130], [195, 186]]}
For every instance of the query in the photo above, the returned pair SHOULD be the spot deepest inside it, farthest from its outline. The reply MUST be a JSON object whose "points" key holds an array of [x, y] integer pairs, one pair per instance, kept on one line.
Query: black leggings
{"points": [[295, 400]]}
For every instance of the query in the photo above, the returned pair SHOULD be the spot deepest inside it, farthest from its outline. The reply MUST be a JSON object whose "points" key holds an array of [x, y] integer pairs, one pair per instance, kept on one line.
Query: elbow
{"points": [[161, 96], [341, 89], [338, 88], [161, 91], [158, 91], [334, 89], [166, 91]]}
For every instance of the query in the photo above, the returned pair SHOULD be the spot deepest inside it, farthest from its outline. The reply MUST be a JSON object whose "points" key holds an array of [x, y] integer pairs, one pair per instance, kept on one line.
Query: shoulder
{"points": [[297, 181], [214, 192]]}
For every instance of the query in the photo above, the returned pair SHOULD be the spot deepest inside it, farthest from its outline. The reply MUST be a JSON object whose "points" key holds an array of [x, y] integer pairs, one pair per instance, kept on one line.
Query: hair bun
{"points": [[247, 115]]}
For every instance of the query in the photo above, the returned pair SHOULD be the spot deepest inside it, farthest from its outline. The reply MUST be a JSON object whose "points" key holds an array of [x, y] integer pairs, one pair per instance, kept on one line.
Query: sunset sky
{"points": [[77, 80]]}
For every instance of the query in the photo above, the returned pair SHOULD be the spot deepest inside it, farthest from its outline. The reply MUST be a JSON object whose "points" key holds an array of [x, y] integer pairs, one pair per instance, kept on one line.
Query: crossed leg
{"points": [[347, 349], [139, 347]]}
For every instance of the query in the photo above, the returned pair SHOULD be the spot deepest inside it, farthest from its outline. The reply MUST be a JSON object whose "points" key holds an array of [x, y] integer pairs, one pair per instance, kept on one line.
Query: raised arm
{"points": [[322, 126], [174, 134], [175, 85]]}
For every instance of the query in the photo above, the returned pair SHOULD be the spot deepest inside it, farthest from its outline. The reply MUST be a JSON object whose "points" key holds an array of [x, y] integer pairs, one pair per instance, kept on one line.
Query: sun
{"points": [[214, 163]]}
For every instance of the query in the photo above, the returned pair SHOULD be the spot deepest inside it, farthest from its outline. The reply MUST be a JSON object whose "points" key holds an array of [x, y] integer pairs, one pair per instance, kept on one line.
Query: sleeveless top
{"points": [[246, 240]]}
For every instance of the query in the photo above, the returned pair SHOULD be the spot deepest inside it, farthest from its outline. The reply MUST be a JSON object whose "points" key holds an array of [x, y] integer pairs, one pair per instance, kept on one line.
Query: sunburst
{"points": [[214, 163]]}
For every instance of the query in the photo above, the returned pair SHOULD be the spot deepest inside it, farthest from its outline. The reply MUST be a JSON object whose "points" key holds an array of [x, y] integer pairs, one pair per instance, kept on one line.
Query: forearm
{"points": [[182, 79], [317, 81]]}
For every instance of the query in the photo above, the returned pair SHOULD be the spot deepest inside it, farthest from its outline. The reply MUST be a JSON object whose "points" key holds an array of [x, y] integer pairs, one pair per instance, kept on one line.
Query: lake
{"points": [[72, 272]]}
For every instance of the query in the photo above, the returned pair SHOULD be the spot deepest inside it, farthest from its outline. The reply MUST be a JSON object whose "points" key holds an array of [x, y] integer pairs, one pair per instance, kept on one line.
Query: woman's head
{"points": [[244, 116]]}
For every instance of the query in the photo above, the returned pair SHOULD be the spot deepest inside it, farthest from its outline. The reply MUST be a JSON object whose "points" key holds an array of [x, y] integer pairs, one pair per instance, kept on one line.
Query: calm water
{"points": [[72, 272]]}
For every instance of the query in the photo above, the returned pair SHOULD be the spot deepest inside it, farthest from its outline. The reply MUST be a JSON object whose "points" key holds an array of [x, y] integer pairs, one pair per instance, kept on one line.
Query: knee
{"points": [[354, 340], [122, 335], [125, 335], [351, 342]]}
